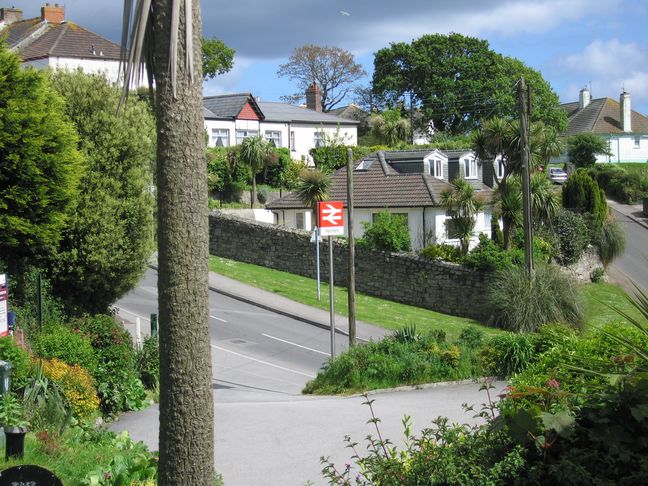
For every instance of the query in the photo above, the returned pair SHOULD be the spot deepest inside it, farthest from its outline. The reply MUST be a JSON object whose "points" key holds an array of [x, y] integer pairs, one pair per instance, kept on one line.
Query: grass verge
{"points": [[383, 313], [597, 299]]}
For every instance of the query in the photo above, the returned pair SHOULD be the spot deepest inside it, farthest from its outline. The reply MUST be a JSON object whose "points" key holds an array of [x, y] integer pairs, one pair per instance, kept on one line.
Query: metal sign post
{"points": [[331, 218]]}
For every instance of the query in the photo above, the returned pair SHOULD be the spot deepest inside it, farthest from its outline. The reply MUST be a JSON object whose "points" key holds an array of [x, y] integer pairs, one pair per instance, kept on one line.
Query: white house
{"points": [[625, 129], [408, 183], [229, 119], [52, 41]]}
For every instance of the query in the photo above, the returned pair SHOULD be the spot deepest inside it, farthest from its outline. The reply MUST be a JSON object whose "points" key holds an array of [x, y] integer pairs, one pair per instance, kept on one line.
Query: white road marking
{"points": [[218, 318], [121, 309], [295, 344], [262, 362]]}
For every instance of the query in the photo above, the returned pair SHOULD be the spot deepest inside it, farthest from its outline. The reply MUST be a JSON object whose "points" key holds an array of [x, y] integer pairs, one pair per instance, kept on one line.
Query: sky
{"points": [[573, 43]]}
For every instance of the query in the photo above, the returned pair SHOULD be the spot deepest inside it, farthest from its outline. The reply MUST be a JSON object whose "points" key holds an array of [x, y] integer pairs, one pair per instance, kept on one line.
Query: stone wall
{"points": [[406, 278]]}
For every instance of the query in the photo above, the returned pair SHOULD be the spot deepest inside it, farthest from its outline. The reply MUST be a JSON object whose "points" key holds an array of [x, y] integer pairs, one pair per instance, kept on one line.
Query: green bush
{"points": [[22, 367], [148, 362], [389, 232], [582, 193], [71, 347], [278, 172], [507, 354], [583, 148], [228, 177], [333, 157], [471, 337], [573, 236], [610, 240], [117, 380], [518, 304], [597, 275], [489, 256], [626, 186], [443, 251]]}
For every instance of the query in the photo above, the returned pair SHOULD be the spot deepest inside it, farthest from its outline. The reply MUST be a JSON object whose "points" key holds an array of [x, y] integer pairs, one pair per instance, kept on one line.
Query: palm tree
{"points": [[390, 127], [165, 34], [544, 199], [313, 187], [463, 205], [256, 153]]}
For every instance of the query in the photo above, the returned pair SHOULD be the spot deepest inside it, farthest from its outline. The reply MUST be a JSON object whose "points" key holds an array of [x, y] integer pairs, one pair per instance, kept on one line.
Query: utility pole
{"points": [[351, 241], [524, 101]]}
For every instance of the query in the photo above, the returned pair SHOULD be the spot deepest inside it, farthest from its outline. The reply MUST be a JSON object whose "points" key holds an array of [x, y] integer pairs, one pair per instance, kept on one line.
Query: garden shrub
{"points": [[507, 354], [489, 256], [471, 337], [77, 385], [443, 251], [583, 194], [610, 240], [626, 186], [517, 304], [22, 367], [389, 232], [573, 236], [148, 362], [71, 347], [543, 246]]}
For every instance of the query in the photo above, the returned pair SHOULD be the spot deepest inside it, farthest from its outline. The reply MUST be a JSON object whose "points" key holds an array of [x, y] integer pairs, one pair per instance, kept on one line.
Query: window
{"points": [[273, 137], [292, 141], [637, 141], [299, 221], [220, 137], [318, 139], [438, 168], [452, 228], [470, 168], [243, 134]]}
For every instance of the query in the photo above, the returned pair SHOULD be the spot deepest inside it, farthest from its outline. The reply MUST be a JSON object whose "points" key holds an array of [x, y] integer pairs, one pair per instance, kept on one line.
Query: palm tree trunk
{"points": [[186, 403]]}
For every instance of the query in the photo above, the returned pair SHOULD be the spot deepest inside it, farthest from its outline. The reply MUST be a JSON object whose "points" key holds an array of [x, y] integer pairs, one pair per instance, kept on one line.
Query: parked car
{"points": [[557, 176]]}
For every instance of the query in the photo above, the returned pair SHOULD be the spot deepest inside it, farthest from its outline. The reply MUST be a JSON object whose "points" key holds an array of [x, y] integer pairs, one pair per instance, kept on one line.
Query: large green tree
{"points": [[457, 81], [39, 163], [583, 148], [167, 33], [109, 234], [217, 58]]}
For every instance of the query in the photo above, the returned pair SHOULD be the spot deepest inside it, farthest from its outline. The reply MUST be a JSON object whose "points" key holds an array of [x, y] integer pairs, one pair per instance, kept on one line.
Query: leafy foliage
{"points": [[389, 232], [331, 157], [582, 193], [20, 362], [390, 127], [489, 256], [313, 187], [63, 343], [573, 236], [549, 297], [610, 240], [77, 386], [217, 58], [109, 234], [626, 186], [443, 251], [148, 363], [507, 354], [583, 148], [463, 205], [332, 68], [39, 162]]}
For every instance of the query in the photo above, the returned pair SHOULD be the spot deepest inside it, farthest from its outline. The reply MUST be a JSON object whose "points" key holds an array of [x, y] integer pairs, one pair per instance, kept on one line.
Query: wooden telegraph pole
{"points": [[351, 284], [524, 100]]}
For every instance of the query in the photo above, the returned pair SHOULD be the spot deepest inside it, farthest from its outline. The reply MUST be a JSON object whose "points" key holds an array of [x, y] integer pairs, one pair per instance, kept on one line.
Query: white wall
{"points": [[622, 147], [109, 67]]}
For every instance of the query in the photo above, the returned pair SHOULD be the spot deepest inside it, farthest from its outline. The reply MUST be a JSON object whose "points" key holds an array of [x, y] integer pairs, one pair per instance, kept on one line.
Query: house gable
{"points": [[248, 112]]}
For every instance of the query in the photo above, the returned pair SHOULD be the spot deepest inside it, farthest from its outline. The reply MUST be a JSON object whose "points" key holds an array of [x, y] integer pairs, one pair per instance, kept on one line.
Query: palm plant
{"points": [[544, 199], [163, 35], [390, 127], [313, 187], [463, 206], [256, 153]]}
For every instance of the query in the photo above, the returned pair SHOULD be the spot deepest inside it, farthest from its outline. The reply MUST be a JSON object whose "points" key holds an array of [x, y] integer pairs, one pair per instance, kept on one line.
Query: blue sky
{"points": [[572, 42]]}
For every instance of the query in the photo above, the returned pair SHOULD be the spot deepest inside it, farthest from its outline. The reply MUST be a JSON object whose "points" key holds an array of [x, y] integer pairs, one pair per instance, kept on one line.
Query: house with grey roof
{"points": [[52, 41], [408, 183], [625, 129], [229, 119]]}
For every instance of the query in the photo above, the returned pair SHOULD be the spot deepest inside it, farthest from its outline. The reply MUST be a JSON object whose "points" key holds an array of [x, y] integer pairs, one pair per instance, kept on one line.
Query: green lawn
{"points": [[392, 315], [384, 313]]}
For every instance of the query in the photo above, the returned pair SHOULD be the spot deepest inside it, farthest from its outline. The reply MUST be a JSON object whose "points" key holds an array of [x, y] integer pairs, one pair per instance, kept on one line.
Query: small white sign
{"points": [[332, 231]]}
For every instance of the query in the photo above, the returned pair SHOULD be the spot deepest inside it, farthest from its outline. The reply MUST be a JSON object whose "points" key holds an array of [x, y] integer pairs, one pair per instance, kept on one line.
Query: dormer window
{"points": [[433, 163], [470, 167]]}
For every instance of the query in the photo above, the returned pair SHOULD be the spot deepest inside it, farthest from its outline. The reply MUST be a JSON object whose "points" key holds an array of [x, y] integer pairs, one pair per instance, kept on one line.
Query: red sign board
{"points": [[331, 218]]}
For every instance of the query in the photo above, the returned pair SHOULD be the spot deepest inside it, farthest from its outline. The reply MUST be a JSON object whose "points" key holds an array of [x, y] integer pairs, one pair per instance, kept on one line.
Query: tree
{"points": [[463, 206], [39, 163], [458, 81], [583, 193], [332, 68], [108, 237], [217, 58], [583, 148], [171, 32], [314, 186], [389, 232], [390, 128], [256, 154]]}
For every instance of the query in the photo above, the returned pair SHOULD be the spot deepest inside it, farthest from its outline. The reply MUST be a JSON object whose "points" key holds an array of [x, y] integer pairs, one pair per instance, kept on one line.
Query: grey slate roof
{"points": [[284, 112], [601, 116], [66, 39], [380, 186], [230, 105]]}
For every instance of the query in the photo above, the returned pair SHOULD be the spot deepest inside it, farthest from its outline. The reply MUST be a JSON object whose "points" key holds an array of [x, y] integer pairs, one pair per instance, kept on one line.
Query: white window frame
{"points": [[303, 220], [224, 136], [470, 165], [318, 138], [243, 134], [273, 136], [438, 168], [292, 140]]}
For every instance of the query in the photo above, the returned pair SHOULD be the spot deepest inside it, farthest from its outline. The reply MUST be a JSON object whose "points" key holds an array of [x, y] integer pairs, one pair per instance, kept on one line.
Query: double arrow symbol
{"points": [[332, 214]]}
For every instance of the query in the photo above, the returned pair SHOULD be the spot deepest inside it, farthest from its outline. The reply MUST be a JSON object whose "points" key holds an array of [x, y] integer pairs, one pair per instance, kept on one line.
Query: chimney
{"points": [[53, 14], [584, 98], [314, 97], [10, 15], [625, 115]]}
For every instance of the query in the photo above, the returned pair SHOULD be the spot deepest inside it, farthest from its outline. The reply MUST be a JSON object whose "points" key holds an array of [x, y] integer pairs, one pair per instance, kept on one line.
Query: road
{"points": [[633, 263], [266, 432]]}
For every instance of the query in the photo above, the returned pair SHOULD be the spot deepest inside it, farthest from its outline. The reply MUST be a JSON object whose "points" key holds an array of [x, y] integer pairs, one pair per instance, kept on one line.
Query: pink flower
{"points": [[553, 384]]}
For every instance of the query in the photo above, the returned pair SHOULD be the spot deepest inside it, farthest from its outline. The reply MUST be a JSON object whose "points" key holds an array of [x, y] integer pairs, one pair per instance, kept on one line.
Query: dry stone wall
{"points": [[406, 278]]}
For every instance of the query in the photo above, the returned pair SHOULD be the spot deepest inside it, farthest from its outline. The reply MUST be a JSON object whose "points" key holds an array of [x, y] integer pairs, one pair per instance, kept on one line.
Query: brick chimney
{"points": [[584, 98], [10, 15], [53, 14], [625, 115], [314, 97]]}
